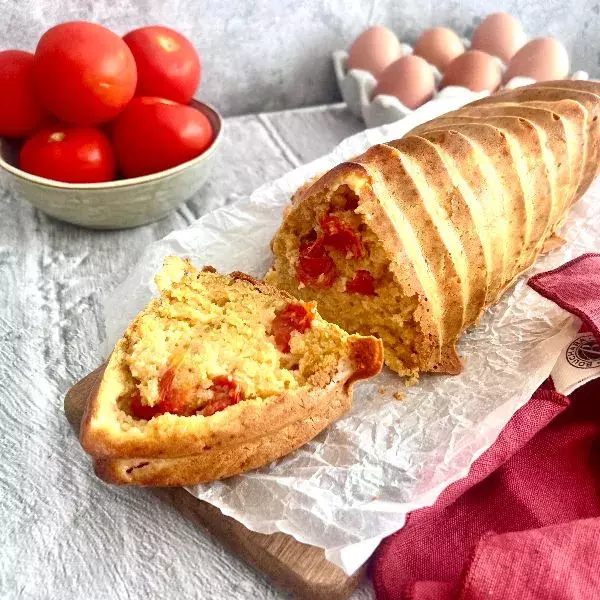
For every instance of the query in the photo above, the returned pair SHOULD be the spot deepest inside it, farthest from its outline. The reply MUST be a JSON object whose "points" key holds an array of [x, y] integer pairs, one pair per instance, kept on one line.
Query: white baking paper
{"points": [[355, 483]]}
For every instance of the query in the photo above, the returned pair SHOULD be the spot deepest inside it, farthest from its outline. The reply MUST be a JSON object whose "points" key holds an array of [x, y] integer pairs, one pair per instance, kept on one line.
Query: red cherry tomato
{"points": [[154, 134], [84, 73], [340, 236], [141, 410], [226, 392], [315, 267], [168, 66], [294, 317], [74, 155], [171, 398], [363, 283], [21, 113]]}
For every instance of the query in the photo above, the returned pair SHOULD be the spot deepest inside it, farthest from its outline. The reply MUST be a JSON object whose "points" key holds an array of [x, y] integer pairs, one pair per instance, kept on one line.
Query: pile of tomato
{"points": [[92, 106]]}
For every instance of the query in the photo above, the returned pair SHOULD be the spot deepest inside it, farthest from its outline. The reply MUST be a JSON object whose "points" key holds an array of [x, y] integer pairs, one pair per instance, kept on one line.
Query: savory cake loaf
{"points": [[218, 375], [413, 239]]}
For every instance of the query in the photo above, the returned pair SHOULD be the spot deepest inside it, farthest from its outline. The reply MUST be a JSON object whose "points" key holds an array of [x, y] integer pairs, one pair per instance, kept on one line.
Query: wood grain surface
{"points": [[65, 534], [296, 567]]}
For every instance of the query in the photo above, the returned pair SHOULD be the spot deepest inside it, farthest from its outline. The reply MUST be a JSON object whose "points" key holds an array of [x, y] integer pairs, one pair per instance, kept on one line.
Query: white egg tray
{"points": [[356, 87]]}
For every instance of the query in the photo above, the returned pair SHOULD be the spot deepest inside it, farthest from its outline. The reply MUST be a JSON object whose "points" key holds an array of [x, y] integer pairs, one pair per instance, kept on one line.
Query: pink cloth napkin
{"points": [[525, 523]]}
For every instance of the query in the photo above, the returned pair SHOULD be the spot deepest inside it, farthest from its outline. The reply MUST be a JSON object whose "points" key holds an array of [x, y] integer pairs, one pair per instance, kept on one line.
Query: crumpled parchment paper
{"points": [[355, 483]]}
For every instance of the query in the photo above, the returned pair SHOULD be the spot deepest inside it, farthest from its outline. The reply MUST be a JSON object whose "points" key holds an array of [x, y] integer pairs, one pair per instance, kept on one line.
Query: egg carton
{"points": [[356, 87]]}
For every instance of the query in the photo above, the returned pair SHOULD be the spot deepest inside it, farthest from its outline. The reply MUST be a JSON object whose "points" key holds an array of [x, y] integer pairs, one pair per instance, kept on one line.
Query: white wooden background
{"points": [[64, 534]]}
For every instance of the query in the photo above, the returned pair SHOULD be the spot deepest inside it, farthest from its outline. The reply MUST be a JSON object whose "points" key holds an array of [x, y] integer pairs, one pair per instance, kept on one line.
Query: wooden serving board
{"points": [[299, 568]]}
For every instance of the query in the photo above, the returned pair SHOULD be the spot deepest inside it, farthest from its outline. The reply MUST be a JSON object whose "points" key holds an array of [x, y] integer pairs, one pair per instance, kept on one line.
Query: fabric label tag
{"points": [[577, 364]]}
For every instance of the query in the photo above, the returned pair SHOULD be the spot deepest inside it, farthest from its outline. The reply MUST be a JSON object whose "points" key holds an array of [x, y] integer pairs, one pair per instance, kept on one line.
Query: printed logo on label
{"points": [[584, 352]]}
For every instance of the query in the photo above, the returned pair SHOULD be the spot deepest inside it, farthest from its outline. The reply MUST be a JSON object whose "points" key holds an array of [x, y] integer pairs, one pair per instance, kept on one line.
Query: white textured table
{"points": [[63, 533]]}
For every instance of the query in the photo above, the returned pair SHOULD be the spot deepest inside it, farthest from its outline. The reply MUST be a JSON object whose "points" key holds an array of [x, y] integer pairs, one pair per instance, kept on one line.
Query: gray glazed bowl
{"points": [[115, 204]]}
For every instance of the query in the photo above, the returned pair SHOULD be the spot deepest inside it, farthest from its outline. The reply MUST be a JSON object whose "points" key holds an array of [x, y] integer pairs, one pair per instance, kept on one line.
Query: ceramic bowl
{"points": [[115, 204]]}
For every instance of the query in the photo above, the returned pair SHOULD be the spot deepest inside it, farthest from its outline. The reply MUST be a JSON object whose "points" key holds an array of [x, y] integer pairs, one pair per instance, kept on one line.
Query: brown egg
{"points": [[439, 46], [541, 59], [409, 79], [374, 50], [500, 35], [475, 70]]}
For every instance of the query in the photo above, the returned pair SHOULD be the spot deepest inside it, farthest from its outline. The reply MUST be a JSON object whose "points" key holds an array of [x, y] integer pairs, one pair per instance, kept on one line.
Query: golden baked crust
{"points": [[220, 462], [316, 385], [586, 94], [448, 217]]}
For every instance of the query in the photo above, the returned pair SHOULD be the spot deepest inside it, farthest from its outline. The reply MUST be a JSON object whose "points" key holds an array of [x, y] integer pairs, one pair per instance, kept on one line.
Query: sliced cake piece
{"points": [[548, 126], [527, 143], [218, 375], [475, 177], [572, 116], [586, 93]]}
